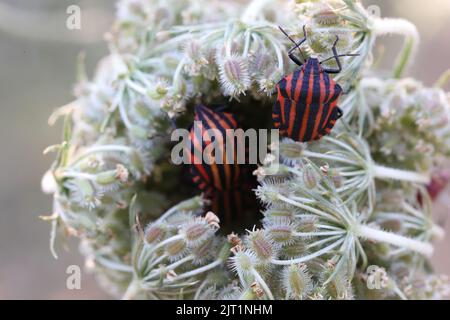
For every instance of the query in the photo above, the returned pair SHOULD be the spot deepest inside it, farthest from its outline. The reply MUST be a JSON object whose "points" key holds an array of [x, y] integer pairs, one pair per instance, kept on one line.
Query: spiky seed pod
{"points": [[175, 250], [193, 50], [258, 62], [297, 281], [283, 212], [179, 219], [234, 75], [310, 177], [268, 80], [274, 171], [393, 225], [295, 249], [261, 244], [335, 177], [196, 58], [230, 292], [319, 42], [291, 151], [317, 294], [325, 15], [106, 178], [91, 164], [196, 231], [243, 262], [204, 251], [307, 224], [155, 233], [220, 278], [280, 230], [336, 285], [207, 66], [268, 193], [84, 193]]}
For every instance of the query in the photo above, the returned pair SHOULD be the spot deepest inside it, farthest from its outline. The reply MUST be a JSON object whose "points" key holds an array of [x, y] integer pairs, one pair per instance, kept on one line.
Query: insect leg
{"points": [[340, 55], [336, 57], [296, 45]]}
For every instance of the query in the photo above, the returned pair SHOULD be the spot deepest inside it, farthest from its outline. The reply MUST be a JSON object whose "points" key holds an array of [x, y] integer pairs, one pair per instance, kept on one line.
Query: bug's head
{"points": [[199, 109], [313, 62]]}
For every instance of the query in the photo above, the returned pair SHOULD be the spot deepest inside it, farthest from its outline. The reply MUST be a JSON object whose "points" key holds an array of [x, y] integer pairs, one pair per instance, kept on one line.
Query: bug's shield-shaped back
{"points": [[211, 170], [306, 106], [226, 185]]}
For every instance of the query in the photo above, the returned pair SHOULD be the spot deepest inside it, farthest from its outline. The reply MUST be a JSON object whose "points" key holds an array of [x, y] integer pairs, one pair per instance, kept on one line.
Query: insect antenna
{"points": [[340, 55], [296, 45], [336, 57]]}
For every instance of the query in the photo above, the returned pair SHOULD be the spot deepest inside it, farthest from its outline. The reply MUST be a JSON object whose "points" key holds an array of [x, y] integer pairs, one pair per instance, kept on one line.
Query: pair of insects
{"points": [[305, 110]]}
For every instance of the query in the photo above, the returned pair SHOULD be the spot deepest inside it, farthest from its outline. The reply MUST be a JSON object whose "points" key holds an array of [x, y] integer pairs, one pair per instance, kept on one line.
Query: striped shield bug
{"points": [[218, 173], [223, 182], [306, 107]]}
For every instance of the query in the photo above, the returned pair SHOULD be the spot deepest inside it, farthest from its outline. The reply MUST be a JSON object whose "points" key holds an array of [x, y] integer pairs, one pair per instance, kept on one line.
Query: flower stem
{"points": [[399, 292], [309, 256], [397, 174], [247, 295], [318, 234], [187, 205], [155, 262], [114, 265], [324, 156], [194, 272], [263, 284], [394, 239], [77, 175], [53, 234], [132, 290], [399, 26], [176, 81], [155, 273], [162, 244], [308, 208], [437, 232]]}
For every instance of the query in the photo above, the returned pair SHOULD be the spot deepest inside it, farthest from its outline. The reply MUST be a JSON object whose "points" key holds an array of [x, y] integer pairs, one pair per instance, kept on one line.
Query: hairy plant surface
{"points": [[332, 209]]}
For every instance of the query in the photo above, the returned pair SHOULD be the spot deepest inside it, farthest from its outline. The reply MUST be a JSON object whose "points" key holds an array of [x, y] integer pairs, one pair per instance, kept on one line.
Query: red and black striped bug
{"points": [[306, 107], [222, 182]]}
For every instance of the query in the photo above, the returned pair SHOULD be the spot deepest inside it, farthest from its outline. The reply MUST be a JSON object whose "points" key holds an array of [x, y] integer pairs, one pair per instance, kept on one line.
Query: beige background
{"points": [[37, 64]]}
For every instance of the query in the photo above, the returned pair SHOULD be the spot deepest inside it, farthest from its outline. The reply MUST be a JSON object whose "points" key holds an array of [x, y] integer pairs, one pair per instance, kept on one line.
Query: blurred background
{"points": [[37, 72]]}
